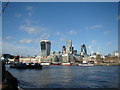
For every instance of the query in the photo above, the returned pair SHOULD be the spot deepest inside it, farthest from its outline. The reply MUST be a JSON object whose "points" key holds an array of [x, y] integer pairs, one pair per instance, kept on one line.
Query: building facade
{"points": [[83, 50], [69, 46], [45, 46], [63, 49]]}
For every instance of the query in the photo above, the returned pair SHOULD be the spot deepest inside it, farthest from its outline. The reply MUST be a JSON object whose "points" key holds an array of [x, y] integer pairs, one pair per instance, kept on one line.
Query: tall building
{"points": [[63, 49], [83, 50], [45, 47], [74, 51], [68, 46]]}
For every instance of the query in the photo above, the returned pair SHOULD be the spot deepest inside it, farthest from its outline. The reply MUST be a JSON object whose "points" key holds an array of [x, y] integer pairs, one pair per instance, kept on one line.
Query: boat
{"points": [[85, 64], [24, 66], [55, 64], [44, 63], [65, 64]]}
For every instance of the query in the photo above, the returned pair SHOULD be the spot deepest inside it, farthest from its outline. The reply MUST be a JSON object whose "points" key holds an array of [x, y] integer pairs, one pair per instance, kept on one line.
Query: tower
{"points": [[63, 49], [68, 46], [45, 47], [83, 50]]}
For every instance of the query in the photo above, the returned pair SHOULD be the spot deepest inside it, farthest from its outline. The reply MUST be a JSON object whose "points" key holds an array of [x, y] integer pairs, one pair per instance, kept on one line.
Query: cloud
{"points": [[32, 29], [18, 50], [18, 15], [58, 33], [110, 42], [43, 36], [28, 29], [62, 39], [30, 10], [106, 32], [94, 27], [93, 41], [28, 22], [8, 37], [72, 32], [25, 41]]}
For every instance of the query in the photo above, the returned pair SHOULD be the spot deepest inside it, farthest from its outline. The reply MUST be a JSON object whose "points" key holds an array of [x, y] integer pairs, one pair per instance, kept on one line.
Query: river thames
{"points": [[67, 77]]}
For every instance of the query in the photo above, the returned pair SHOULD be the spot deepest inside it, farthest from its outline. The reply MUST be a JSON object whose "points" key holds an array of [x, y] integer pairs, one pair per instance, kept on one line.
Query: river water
{"points": [[67, 77]]}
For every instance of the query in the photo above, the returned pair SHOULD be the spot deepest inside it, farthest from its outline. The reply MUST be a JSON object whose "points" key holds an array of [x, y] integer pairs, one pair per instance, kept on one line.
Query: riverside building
{"points": [[69, 47], [83, 50], [45, 47], [63, 49]]}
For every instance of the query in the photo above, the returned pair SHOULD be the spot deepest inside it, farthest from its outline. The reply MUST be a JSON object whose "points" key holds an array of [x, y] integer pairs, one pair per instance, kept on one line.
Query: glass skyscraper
{"points": [[45, 47], [69, 46], [83, 50]]}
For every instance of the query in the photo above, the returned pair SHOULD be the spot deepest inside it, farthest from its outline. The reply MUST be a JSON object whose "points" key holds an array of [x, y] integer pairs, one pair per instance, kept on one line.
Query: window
{"points": [[43, 46]]}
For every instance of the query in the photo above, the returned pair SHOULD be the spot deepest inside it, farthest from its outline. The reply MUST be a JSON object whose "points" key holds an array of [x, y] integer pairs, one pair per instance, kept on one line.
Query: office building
{"points": [[63, 49], [83, 50], [45, 47], [69, 46], [74, 51]]}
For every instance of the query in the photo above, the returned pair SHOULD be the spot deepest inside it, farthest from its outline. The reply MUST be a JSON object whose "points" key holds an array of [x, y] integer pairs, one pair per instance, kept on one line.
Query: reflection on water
{"points": [[68, 77]]}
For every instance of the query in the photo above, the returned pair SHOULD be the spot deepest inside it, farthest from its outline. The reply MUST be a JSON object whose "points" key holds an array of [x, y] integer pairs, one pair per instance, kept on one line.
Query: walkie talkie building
{"points": [[45, 46]]}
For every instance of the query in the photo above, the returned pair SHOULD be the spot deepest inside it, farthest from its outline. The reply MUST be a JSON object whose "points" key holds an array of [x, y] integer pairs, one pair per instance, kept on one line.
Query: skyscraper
{"points": [[45, 47], [63, 49], [68, 46], [83, 50]]}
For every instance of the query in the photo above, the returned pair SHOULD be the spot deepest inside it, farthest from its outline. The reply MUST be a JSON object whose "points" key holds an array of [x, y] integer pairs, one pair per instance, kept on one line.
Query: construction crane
{"points": [[4, 8]]}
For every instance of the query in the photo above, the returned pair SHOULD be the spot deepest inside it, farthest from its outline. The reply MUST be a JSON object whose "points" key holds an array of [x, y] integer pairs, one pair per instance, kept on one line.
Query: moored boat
{"points": [[85, 64], [55, 64], [24, 66], [65, 64], [45, 63]]}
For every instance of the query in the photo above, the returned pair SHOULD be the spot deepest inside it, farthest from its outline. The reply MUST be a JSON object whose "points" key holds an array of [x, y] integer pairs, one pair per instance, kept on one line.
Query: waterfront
{"points": [[68, 77]]}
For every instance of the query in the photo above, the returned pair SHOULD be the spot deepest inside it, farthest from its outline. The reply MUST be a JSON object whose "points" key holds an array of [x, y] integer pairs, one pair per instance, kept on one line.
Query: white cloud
{"points": [[20, 50], [93, 41], [94, 27], [72, 32], [8, 37], [62, 39], [58, 33], [30, 10], [28, 22], [32, 29], [18, 15], [28, 29], [106, 32], [110, 42], [43, 36], [25, 41]]}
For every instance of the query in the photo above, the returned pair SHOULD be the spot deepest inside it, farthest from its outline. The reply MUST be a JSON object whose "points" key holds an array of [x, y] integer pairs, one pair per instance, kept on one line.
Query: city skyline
{"points": [[93, 24]]}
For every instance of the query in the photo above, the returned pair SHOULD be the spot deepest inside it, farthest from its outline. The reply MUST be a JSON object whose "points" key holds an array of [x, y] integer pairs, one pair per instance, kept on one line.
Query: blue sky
{"points": [[94, 24]]}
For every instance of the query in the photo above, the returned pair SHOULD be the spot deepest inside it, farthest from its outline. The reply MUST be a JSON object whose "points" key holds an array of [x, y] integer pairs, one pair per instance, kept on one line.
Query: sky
{"points": [[94, 24]]}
